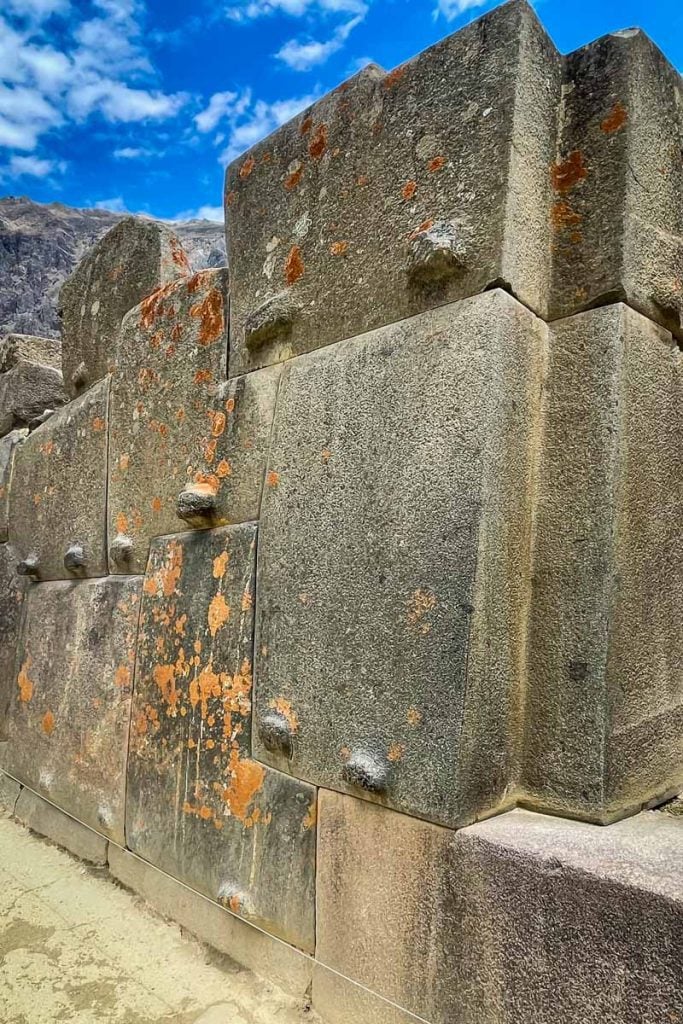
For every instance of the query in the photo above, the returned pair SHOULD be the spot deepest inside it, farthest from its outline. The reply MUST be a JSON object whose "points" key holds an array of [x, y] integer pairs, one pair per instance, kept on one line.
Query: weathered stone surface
{"points": [[249, 946], [524, 919], [339, 1000], [7, 446], [59, 495], [15, 348], [604, 704], [47, 820], [617, 214], [26, 391], [394, 560], [132, 259], [9, 794], [68, 721], [184, 442], [397, 192], [198, 806], [12, 594]]}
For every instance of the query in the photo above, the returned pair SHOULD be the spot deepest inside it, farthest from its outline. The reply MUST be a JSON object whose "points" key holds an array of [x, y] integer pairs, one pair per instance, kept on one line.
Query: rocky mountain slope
{"points": [[40, 244]]}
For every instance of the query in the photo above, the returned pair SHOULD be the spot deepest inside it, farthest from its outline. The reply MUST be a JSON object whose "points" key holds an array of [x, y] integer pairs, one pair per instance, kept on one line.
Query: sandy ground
{"points": [[76, 947]]}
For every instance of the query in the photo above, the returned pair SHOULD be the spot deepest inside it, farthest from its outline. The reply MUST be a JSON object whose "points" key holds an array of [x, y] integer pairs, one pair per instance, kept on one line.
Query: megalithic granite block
{"points": [[131, 261], [199, 807], [398, 192], [17, 347], [12, 595], [70, 710], [604, 704], [394, 560], [617, 214], [7, 448], [57, 516], [184, 442], [522, 919], [27, 390]]}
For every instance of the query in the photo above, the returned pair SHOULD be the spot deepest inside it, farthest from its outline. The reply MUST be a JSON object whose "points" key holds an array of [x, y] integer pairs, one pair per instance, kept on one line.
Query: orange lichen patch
{"points": [[394, 76], [140, 723], [235, 904], [122, 677], [157, 504], [24, 682], [217, 419], [223, 469], [209, 312], [326, 455], [273, 478], [206, 483], [562, 215], [205, 685], [98, 423], [414, 717], [37, 498], [156, 339], [420, 604], [176, 335], [180, 624], [247, 167], [48, 723], [437, 164], [409, 190], [150, 586], [152, 306], [285, 708], [247, 781], [424, 226], [178, 254], [165, 579], [311, 818], [220, 564], [48, 447], [231, 198], [196, 281], [362, 179], [566, 174], [247, 601], [210, 451], [124, 461], [219, 613], [337, 248], [230, 405], [396, 751], [203, 377], [294, 265], [318, 143], [293, 179], [616, 119], [164, 677], [306, 125]]}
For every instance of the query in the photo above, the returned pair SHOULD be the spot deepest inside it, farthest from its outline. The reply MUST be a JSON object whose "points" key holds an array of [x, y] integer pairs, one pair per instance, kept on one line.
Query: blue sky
{"points": [[138, 104]]}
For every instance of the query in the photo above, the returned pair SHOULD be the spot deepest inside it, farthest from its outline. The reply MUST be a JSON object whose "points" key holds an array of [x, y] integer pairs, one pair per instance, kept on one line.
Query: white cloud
{"points": [[249, 10], [115, 205], [222, 105], [119, 103], [451, 9], [32, 167], [37, 10], [302, 56], [212, 213], [131, 153], [260, 119]]}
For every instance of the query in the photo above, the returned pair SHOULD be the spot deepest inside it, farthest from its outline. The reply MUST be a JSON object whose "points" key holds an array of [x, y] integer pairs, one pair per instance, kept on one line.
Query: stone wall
{"points": [[341, 599]]}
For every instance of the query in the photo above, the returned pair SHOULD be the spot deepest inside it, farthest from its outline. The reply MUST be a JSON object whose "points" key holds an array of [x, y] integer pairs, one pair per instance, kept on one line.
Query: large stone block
{"points": [[7, 447], [14, 348], [12, 595], [198, 806], [524, 919], [394, 560], [604, 704], [130, 262], [398, 192], [42, 817], [69, 717], [617, 216], [27, 390], [183, 440], [58, 501]]}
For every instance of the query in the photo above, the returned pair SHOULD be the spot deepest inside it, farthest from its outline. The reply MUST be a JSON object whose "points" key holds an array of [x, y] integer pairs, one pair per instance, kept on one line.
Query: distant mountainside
{"points": [[40, 244]]}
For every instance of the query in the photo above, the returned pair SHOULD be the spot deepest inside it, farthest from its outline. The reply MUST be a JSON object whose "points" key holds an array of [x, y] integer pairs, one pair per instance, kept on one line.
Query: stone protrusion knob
{"points": [[120, 549], [272, 319], [367, 771], [197, 505], [439, 252], [28, 566], [276, 733], [74, 559], [79, 378]]}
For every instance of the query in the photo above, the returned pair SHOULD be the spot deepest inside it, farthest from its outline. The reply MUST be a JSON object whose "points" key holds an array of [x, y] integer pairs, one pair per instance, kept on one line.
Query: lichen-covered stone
{"points": [[59, 492], [17, 347], [184, 442], [604, 704], [26, 391], [199, 807], [12, 596], [396, 193], [394, 560], [7, 447], [70, 709], [131, 261]]}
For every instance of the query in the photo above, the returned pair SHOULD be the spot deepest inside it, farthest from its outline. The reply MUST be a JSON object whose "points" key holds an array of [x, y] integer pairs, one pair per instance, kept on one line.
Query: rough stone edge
{"points": [[46, 819], [9, 794], [265, 955]]}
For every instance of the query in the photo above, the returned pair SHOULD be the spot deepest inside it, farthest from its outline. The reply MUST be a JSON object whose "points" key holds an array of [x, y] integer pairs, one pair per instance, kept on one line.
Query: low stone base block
{"points": [[249, 946], [42, 817], [9, 794]]}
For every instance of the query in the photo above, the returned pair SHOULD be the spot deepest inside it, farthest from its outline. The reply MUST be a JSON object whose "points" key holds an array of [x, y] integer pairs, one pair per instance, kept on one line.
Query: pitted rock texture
{"points": [[199, 806], [12, 595], [70, 709], [7, 450], [27, 390], [16, 347], [58, 493]]}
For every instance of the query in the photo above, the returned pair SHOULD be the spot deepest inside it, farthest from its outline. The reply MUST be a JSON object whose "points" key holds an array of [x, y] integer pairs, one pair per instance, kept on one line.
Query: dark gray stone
{"points": [[26, 391], [393, 559], [398, 192], [12, 595], [58, 499], [131, 261], [70, 710], [42, 817], [7, 447], [199, 807]]}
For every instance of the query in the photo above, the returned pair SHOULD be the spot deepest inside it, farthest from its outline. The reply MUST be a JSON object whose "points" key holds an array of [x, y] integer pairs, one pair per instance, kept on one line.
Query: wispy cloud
{"points": [[32, 167], [244, 121], [302, 55], [249, 10], [132, 153], [212, 213], [451, 9]]}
